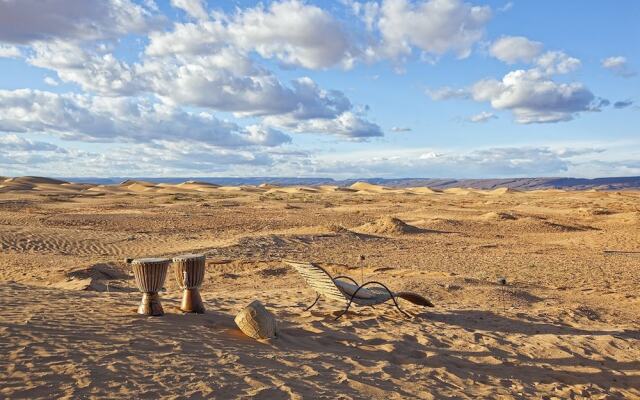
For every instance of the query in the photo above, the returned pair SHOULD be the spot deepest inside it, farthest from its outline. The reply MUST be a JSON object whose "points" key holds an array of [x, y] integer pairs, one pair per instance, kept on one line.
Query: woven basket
{"points": [[257, 322]]}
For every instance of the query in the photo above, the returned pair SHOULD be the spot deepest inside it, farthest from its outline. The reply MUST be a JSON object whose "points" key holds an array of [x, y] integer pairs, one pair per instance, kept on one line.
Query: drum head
{"points": [[183, 257], [150, 260]]}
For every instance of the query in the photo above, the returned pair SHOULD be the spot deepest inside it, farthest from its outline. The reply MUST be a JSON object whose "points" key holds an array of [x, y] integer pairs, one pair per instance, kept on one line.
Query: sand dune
{"points": [[502, 191], [388, 226], [368, 187], [565, 325]]}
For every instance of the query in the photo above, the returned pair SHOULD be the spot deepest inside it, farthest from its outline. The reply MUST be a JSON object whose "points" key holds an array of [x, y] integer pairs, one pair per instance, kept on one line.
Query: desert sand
{"points": [[564, 326]]}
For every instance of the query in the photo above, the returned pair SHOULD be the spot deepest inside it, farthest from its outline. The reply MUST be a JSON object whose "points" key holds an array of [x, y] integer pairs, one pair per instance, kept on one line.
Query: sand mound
{"points": [[458, 191], [499, 216], [96, 277], [424, 190], [35, 180], [388, 226], [335, 228], [267, 186], [138, 186], [331, 189], [368, 187], [504, 190], [197, 183]]}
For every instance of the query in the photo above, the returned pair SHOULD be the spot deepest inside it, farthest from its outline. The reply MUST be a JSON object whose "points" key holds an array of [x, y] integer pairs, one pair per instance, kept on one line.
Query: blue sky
{"points": [[389, 88]]}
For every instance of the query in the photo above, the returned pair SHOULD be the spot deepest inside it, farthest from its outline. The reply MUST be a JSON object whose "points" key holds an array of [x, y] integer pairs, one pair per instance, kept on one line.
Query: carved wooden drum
{"points": [[189, 272], [150, 274]]}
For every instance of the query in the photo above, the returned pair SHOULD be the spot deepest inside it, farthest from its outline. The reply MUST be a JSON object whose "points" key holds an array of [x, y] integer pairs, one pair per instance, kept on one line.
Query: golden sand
{"points": [[565, 325]]}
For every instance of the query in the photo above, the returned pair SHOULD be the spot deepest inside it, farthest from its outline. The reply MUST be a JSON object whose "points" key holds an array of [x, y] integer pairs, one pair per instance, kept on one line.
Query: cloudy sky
{"points": [[343, 88]]}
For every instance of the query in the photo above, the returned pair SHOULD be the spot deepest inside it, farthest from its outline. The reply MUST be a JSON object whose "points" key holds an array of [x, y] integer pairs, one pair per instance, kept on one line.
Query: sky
{"points": [[342, 89]]}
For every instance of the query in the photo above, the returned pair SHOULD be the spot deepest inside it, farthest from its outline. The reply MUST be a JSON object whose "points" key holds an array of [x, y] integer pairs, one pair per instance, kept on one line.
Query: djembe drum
{"points": [[150, 274], [189, 273]]}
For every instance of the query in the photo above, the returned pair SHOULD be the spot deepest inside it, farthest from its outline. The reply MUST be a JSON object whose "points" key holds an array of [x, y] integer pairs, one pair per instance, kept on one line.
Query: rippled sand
{"points": [[564, 325]]}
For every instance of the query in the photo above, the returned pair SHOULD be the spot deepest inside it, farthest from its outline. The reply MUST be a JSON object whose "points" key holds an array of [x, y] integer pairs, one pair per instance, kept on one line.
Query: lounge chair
{"points": [[338, 289]]}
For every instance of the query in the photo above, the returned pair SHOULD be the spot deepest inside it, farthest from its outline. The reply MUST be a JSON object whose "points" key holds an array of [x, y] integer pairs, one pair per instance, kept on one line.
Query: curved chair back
{"points": [[318, 279]]}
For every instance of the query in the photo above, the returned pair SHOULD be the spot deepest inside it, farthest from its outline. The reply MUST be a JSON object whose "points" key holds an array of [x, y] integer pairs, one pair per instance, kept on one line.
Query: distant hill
{"points": [[615, 183]]}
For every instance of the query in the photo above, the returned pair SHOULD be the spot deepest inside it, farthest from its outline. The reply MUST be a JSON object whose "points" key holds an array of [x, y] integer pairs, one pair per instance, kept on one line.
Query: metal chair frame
{"points": [[353, 296]]}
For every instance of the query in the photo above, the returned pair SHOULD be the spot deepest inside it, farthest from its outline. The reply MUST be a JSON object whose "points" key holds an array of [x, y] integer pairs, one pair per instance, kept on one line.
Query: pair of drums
{"points": [[150, 274]]}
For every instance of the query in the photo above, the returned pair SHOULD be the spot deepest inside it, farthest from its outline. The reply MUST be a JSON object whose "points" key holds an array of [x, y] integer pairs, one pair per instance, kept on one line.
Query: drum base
{"points": [[192, 302], [150, 305]]}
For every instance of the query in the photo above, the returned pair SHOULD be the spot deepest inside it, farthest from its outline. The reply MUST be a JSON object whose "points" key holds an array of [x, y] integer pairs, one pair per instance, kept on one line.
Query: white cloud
{"points": [[508, 6], [156, 159], [447, 93], [294, 33], [110, 119], [7, 51], [50, 81], [23, 21], [619, 66], [531, 95], [433, 26], [14, 142], [533, 98], [289, 31], [94, 68], [399, 129], [513, 49], [368, 11], [226, 80], [347, 124], [556, 62], [482, 163], [482, 117], [193, 8]]}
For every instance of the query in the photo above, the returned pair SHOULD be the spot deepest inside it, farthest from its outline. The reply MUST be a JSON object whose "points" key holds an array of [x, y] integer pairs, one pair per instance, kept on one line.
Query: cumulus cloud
{"points": [[533, 98], [23, 21], [399, 129], [513, 49], [619, 66], [14, 142], [433, 26], [482, 117], [556, 62], [531, 95], [497, 162], [447, 93], [109, 119], [225, 80], [194, 8], [7, 51], [136, 159], [348, 125], [50, 81], [622, 104], [508, 6], [94, 68], [290, 31]]}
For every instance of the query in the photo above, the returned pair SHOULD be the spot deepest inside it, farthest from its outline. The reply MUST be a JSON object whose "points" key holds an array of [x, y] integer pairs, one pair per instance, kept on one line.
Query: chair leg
{"points": [[345, 310], [313, 304], [399, 309]]}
